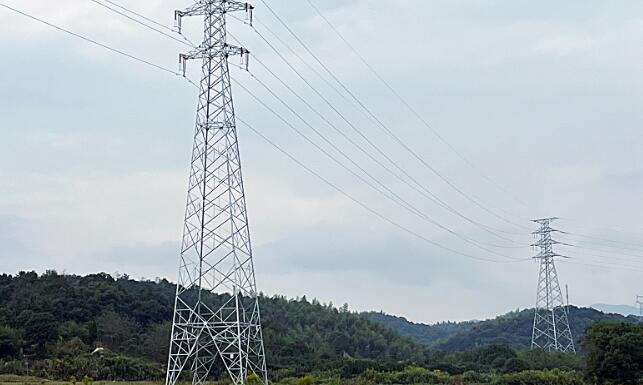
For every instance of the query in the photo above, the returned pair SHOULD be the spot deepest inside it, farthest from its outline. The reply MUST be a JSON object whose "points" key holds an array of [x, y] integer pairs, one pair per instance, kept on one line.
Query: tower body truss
{"points": [[551, 330], [216, 254]]}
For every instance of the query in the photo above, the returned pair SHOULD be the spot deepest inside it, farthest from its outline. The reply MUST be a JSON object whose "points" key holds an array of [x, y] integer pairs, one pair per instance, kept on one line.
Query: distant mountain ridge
{"points": [[624, 310], [425, 334], [512, 329]]}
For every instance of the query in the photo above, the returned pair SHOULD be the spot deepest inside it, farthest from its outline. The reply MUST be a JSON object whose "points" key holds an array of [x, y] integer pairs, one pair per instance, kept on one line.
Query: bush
{"points": [[515, 364], [253, 379], [305, 380], [539, 359], [538, 377], [10, 341], [410, 375], [473, 377]]}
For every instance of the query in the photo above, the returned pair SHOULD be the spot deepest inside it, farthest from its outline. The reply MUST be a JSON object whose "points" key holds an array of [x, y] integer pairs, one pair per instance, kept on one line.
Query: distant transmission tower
{"points": [[551, 330], [216, 256], [639, 301]]}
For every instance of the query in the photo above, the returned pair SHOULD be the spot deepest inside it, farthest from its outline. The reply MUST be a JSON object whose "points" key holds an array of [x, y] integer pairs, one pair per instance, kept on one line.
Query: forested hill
{"points": [[55, 315], [512, 329], [422, 333]]}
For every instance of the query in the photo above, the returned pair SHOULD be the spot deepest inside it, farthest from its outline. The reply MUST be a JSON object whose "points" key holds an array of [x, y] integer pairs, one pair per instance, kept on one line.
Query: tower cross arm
{"points": [[213, 51], [546, 242], [203, 7]]}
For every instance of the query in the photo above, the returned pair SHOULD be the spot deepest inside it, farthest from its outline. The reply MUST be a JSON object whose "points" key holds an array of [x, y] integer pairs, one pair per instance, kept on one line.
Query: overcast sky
{"points": [[544, 98]]}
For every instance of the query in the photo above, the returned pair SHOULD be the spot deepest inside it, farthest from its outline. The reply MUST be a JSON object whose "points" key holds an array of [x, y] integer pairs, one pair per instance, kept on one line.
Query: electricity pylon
{"points": [[216, 256], [639, 301], [551, 330]]}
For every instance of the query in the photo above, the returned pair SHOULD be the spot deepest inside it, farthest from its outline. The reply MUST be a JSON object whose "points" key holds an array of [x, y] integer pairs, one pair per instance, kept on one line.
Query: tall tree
{"points": [[614, 353]]}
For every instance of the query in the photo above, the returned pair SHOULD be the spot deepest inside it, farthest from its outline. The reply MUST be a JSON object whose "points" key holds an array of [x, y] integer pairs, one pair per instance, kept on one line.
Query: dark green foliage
{"points": [[484, 359], [63, 317], [10, 341], [545, 377], [56, 321], [540, 360], [303, 336], [426, 334], [417, 375], [410, 375], [493, 356], [107, 366], [38, 327], [614, 353], [515, 364]]}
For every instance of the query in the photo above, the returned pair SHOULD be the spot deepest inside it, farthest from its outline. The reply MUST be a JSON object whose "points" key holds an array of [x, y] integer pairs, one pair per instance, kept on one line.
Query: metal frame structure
{"points": [[639, 301], [551, 330], [216, 255]]}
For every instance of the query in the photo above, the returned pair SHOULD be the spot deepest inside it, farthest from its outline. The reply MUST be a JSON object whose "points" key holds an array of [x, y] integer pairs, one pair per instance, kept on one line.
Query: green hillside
{"points": [[512, 329], [50, 324], [425, 334], [66, 316]]}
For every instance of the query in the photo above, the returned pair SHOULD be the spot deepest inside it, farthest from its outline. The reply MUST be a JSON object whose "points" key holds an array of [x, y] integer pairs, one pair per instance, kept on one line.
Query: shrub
{"points": [[540, 377], [305, 380], [410, 375], [253, 379], [473, 377], [515, 364]]}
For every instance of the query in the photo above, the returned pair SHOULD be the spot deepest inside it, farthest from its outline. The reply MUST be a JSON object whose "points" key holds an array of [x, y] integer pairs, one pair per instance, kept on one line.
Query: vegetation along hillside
{"points": [[51, 326], [425, 334], [512, 329], [66, 316]]}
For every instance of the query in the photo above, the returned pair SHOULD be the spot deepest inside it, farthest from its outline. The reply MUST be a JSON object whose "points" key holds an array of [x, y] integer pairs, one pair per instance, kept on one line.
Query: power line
{"points": [[594, 265], [411, 108], [365, 206], [591, 253], [94, 42], [608, 251], [422, 190], [385, 127], [629, 232], [397, 199], [612, 244], [391, 195], [348, 100], [404, 204], [140, 60], [431, 196], [141, 23], [141, 16], [335, 187]]}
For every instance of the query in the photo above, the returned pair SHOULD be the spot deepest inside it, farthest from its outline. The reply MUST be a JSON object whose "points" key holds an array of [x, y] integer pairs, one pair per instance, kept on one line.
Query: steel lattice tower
{"points": [[639, 301], [551, 330], [216, 256]]}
